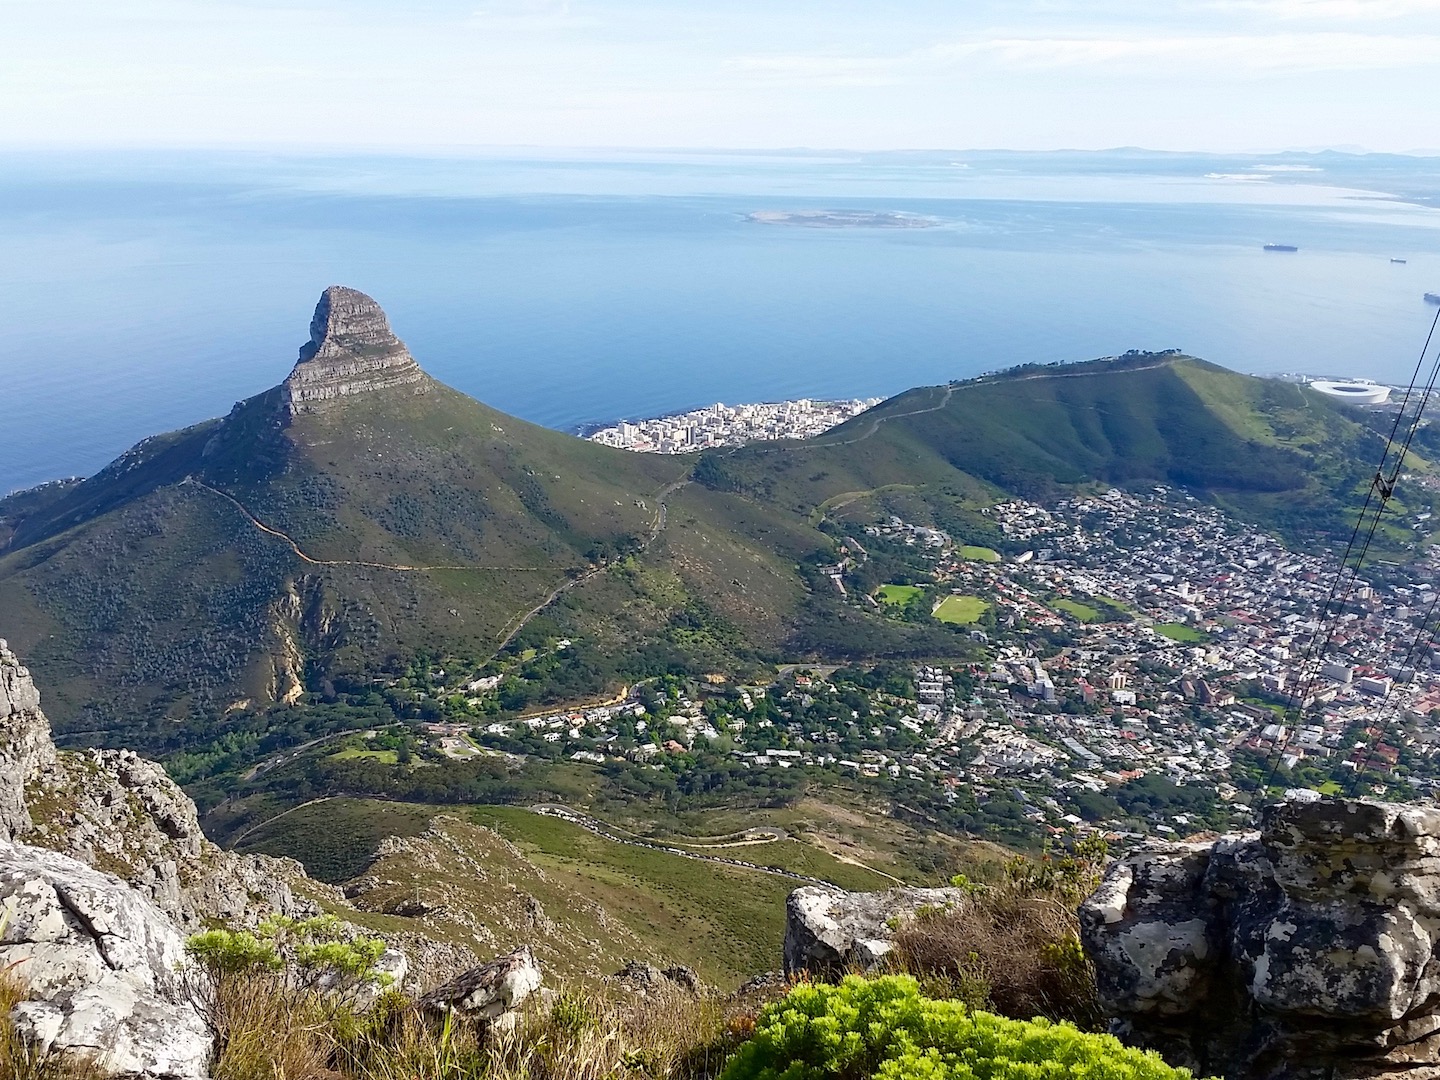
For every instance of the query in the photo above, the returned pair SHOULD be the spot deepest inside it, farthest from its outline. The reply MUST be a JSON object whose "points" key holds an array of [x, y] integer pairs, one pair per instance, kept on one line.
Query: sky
{"points": [[456, 75]]}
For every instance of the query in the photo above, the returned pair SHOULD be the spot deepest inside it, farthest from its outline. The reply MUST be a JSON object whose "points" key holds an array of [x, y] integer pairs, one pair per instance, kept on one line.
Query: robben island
{"points": [[731, 425]]}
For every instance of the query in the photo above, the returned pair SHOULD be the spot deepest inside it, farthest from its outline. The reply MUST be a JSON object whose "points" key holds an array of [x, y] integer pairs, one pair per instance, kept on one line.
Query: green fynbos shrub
{"points": [[314, 954], [885, 1028]]}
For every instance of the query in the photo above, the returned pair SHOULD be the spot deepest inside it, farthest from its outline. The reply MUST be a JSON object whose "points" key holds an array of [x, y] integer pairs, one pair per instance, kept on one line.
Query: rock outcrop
{"points": [[643, 978], [122, 814], [25, 745], [101, 966], [829, 932], [1306, 950], [351, 351], [461, 882], [491, 994]]}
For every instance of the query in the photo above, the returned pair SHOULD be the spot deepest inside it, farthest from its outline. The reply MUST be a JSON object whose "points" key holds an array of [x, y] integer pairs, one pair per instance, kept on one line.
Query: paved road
{"points": [[609, 832]]}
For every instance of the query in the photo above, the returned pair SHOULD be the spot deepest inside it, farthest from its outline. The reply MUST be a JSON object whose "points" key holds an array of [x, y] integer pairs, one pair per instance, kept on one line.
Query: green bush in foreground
{"points": [[885, 1028]]}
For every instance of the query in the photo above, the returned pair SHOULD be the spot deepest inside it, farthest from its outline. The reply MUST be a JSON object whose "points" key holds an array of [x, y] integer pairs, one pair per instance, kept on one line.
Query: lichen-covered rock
{"points": [[101, 966], [643, 978], [829, 932], [25, 744], [1307, 949], [351, 351], [492, 993]]}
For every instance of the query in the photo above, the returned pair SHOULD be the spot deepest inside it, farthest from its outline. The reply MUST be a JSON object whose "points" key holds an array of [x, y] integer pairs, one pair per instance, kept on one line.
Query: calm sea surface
{"points": [[143, 293]]}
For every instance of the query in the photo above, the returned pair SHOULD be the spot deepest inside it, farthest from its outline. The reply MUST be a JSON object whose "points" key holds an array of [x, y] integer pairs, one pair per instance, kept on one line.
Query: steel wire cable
{"points": [[1384, 485]]}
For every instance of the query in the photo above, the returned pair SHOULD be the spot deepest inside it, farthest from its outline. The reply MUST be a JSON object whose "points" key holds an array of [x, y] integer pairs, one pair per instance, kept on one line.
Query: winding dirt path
{"points": [[606, 831], [657, 527], [875, 423], [308, 558], [515, 624]]}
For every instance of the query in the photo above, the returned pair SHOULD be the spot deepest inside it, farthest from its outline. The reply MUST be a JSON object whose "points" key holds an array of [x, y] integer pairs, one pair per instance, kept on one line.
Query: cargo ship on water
{"points": [[1281, 247]]}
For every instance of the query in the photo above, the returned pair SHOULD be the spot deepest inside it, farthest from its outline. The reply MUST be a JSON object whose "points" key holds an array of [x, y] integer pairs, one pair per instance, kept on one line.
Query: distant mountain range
{"points": [[361, 512]]}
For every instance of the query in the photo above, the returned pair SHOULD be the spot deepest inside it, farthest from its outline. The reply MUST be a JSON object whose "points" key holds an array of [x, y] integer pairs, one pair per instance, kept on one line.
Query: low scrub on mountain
{"points": [[886, 1029], [294, 1001], [269, 996]]}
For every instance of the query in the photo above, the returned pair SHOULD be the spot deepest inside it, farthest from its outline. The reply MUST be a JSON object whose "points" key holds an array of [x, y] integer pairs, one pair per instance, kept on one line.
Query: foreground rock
{"points": [[491, 994], [116, 811], [101, 967], [1307, 950], [829, 932]]}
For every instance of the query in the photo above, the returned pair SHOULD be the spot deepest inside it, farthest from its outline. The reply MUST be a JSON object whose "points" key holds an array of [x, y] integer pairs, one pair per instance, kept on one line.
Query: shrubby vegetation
{"points": [[285, 1003], [1014, 946], [886, 1029]]}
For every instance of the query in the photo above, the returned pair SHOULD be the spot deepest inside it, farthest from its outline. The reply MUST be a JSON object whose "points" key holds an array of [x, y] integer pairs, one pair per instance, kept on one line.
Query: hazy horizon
{"points": [[1228, 75]]}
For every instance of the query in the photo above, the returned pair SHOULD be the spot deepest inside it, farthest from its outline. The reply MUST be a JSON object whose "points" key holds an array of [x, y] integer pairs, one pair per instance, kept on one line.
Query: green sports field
{"points": [[1180, 632], [979, 554], [898, 594], [961, 609]]}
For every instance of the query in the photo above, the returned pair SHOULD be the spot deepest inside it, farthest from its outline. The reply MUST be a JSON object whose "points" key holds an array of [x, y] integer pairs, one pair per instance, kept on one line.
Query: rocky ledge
{"points": [[1306, 950], [351, 351], [103, 968]]}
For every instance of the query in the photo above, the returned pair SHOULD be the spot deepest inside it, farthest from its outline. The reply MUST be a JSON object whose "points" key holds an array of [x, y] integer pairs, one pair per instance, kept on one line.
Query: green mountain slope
{"points": [[1275, 452], [244, 557]]}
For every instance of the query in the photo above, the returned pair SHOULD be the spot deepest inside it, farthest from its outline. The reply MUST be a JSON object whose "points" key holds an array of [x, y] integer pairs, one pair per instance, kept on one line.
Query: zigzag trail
{"points": [[875, 423], [518, 623], [304, 557]]}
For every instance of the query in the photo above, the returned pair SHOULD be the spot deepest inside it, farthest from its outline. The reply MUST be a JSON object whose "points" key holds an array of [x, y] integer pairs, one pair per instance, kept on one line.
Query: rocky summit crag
{"points": [[351, 351], [1305, 950]]}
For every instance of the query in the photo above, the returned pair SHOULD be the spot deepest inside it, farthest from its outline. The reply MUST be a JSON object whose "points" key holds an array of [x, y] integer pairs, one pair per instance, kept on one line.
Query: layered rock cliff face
{"points": [[1306, 950], [351, 351], [121, 814], [25, 746]]}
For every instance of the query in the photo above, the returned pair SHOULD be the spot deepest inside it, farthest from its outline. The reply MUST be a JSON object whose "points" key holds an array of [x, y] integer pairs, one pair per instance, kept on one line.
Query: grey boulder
{"points": [[829, 932], [101, 967], [492, 993], [1306, 950]]}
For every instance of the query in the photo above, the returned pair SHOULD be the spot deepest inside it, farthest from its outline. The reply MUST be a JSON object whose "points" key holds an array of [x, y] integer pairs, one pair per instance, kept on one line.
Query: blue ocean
{"points": [[144, 292]]}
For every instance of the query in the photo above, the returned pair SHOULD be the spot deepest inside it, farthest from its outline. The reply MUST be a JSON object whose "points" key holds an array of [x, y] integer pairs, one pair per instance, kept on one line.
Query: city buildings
{"points": [[731, 425]]}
